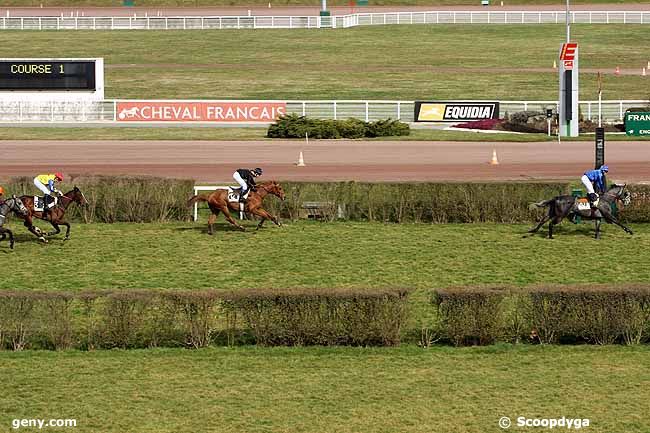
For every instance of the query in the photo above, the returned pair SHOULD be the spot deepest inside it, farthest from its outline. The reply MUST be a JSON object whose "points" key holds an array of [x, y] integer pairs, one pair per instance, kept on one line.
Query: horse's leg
{"points": [[35, 230], [540, 224], [265, 216], [597, 223], [3, 232], [56, 231], [211, 219], [612, 219], [230, 219]]}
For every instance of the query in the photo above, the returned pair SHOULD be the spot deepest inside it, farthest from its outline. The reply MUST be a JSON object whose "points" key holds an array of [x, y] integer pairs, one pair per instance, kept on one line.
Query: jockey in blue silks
{"points": [[594, 181]]}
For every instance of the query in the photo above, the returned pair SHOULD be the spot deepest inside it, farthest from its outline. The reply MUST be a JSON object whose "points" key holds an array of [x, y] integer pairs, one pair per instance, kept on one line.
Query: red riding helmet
{"points": [[58, 175], [2, 190]]}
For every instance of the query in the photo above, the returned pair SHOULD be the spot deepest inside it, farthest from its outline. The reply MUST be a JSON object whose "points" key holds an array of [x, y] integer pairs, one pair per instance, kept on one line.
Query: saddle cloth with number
{"points": [[39, 203], [233, 194]]}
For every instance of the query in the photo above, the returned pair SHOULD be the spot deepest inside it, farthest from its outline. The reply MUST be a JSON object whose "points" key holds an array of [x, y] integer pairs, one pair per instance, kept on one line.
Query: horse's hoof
{"points": [[66, 238], [43, 239]]}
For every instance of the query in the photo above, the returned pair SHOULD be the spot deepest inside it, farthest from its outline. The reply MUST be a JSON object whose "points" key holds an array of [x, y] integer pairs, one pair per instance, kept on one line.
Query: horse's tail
{"points": [[544, 203], [197, 198]]}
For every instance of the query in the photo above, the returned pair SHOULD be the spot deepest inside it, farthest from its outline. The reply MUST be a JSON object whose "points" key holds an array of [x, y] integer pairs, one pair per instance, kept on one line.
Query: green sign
{"points": [[637, 123]]}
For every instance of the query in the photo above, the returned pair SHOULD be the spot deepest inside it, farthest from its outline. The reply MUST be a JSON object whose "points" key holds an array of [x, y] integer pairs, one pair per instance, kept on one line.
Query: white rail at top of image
{"points": [[148, 22]]}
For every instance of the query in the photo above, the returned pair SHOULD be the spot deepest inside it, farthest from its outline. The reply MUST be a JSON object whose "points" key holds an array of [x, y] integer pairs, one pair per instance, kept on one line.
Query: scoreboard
{"points": [[39, 75], [51, 79]]}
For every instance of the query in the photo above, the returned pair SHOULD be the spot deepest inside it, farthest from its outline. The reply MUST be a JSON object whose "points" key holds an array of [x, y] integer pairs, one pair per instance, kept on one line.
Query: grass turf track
{"points": [[343, 390], [487, 62], [325, 255]]}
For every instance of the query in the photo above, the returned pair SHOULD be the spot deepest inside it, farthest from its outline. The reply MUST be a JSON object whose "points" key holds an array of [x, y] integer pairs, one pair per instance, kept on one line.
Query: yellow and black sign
{"points": [[47, 75], [455, 111]]}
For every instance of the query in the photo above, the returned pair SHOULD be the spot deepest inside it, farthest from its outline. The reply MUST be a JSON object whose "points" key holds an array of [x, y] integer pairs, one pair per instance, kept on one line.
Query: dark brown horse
{"points": [[54, 216], [218, 202]]}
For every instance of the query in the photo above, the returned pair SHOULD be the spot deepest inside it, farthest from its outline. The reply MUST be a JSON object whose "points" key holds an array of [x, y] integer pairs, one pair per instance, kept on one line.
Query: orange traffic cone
{"points": [[617, 71], [494, 160], [301, 161]]}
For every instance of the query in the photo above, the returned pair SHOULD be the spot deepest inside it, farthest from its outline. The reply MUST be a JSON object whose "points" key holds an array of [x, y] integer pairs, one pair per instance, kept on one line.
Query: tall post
{"points": [[569, 116], [568, 23]]}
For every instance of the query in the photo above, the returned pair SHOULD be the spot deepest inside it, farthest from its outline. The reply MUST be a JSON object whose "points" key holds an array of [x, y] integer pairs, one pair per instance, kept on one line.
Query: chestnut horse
{"points": [[55, 215], [218, 202]]}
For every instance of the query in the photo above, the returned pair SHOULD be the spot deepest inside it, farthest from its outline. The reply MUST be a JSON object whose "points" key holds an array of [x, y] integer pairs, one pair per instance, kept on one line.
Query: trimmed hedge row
{"points": [[556, 314], [295, 126], [150, 199], [193, 319], [121, 198], [418, 202]]}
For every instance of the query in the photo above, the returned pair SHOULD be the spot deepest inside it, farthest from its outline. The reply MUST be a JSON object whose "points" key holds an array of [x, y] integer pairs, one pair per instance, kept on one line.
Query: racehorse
{"points": [[218, 202], [15, 205], [54, 216], [564, 206]]}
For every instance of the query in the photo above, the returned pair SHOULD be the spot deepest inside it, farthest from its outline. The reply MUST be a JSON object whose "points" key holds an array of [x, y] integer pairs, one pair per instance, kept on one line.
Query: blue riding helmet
{"points": [[604, 168]]}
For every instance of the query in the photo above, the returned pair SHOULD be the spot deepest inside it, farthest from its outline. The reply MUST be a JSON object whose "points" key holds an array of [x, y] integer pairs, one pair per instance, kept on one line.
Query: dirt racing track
{"points": [[401, 161]]}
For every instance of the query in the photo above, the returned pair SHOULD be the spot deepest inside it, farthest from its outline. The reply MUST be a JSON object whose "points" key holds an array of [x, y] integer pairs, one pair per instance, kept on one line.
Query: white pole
{"points": [[568, 24]]}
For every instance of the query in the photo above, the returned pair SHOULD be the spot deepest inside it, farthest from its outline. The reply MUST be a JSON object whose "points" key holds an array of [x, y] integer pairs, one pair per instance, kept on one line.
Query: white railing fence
{"points": [[314, 22], [105, 111]]}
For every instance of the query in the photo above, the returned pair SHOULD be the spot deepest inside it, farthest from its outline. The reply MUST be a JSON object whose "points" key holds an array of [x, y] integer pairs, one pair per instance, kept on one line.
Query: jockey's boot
{"points": [[242, 194], [45, 203], [593, 199]]}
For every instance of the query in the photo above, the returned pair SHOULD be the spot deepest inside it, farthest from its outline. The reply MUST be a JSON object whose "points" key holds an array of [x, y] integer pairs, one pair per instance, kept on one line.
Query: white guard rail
{"points": [[199, 188], [315, 22], [105, 111]]}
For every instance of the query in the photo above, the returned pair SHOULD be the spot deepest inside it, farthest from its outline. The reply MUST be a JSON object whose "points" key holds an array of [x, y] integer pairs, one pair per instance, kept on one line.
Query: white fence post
{"points": [[366, 111]]}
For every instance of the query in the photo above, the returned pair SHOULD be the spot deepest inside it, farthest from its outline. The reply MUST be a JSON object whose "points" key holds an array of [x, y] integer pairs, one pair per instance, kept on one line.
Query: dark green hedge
{"points": [[295, 126], [573, 314], [150, 199], [121, 198], [418, 202], [193, 319]]}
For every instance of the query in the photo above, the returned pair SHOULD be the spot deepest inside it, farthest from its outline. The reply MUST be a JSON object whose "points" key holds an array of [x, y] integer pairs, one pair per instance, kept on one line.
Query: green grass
{"points": [[319, 255], [424, 61], [324, 255], [126, 133], [317, 390]]}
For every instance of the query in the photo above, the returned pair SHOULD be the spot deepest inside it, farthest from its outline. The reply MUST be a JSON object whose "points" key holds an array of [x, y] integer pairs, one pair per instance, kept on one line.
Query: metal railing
{"points": [[105, 111], [311, 22]]}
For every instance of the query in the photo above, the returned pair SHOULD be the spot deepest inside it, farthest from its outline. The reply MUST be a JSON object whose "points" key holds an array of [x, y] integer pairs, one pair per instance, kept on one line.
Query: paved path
{"points": [[326, 159]]}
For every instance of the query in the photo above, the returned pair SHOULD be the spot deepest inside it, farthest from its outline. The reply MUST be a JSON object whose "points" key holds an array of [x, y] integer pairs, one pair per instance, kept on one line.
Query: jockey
{"points": [[246, 179], [594, 181], [46, 184]]}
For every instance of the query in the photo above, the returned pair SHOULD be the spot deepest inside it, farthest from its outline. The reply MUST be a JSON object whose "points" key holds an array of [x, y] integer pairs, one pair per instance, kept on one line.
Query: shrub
{"points": [[295, 126], [593, 314], [471, 316], [298, 318], [192, 319]]}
